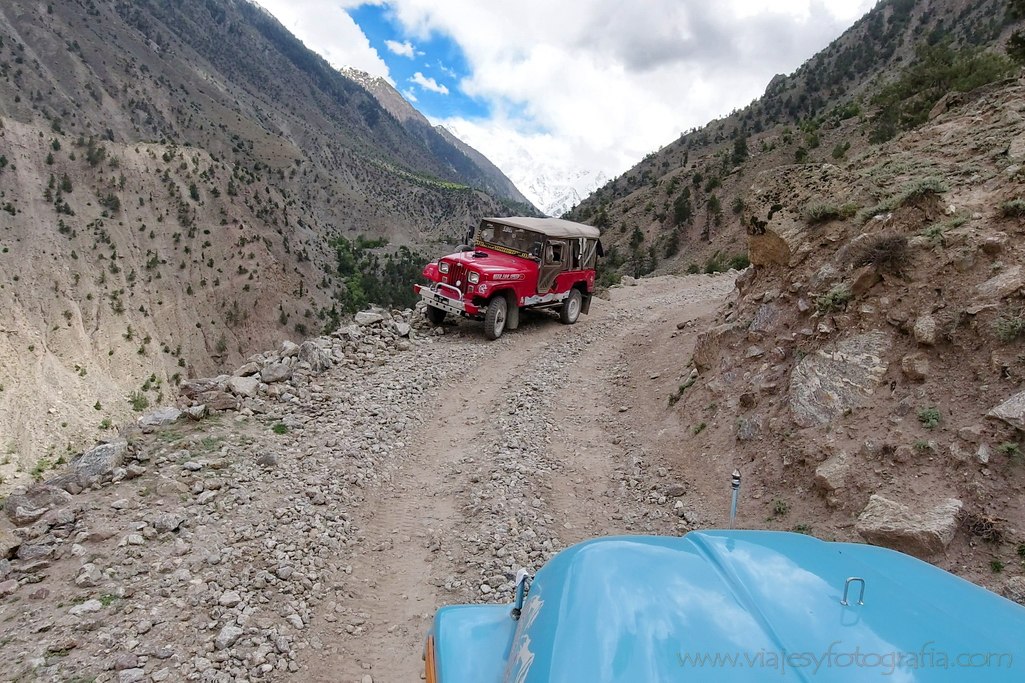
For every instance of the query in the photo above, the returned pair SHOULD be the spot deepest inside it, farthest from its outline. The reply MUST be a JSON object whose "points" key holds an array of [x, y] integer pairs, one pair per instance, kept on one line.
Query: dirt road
{"points": [[555, 435], [312, 533]]}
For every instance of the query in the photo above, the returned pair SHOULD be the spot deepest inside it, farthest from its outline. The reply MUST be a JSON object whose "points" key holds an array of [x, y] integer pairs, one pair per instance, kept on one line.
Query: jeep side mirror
{"points": [[469, 235]]}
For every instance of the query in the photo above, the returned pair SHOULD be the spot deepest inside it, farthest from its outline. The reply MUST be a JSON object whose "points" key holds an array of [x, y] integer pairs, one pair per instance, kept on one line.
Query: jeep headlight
{"points": [[443, 267], [473, 278]]}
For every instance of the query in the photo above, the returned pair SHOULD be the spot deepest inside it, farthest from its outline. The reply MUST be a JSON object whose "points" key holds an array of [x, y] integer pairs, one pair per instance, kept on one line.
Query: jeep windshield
{"points": [[509, 239]]}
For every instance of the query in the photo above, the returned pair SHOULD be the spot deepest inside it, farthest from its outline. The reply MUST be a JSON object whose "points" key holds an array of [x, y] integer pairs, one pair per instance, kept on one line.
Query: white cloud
{"points": [[404, 49], [409, 95], [325, 27], [592, 84], [429, 83], [597, 84]]}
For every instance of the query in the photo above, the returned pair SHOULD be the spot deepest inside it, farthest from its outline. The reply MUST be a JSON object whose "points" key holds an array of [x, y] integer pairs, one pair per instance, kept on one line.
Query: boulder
{"points": [[925, 330], [402, 329], [89, 576], [708, 349], [832, 474], [748, 428], [160, 417], [1016, 150], [227, 636], [8, 546], [765, 318], [25, 507], [317, 358], [276, 372], [364, 318], [915, 366], [1014, 589], [1002, 285], [995, 243], [1011, 411], [197, 412], [838, 378], [894, 525], [244, 386], [864, 279], [193, 388], [250, 368], [289, 349], [97, 464]]}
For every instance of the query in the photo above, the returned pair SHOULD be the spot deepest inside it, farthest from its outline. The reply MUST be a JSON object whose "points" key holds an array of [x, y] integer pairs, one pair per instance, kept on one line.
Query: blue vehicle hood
{"points": [[754, 606]]}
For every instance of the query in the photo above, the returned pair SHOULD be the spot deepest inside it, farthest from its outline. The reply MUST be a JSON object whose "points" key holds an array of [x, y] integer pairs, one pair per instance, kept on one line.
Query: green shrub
{"points": [[714, 264], [1012, 450], [1010, 327], [920, 188], [935, 71], [139, 401], [818, 212], [1013, 209], [739, 262], [835, 299], [280, 428], [929, 417]]}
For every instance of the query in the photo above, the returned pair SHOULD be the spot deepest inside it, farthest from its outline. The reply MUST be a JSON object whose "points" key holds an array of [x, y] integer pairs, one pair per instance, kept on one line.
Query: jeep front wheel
{"points": [[571, 307], [494, 319], [435, 316]]}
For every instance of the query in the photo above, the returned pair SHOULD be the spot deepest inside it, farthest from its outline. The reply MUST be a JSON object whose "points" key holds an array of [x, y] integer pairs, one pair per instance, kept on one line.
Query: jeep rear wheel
{"points": [[435, 316], [571, 307], [494, 319]]}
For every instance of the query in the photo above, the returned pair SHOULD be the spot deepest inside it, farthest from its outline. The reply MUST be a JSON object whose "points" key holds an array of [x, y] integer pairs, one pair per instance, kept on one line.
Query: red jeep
{"points": [[515, 263]]}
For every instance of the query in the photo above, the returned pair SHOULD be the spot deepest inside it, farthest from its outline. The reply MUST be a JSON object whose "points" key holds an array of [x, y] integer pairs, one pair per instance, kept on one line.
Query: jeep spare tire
{"points": [[494, 319], [435, 316], [571, 307]]}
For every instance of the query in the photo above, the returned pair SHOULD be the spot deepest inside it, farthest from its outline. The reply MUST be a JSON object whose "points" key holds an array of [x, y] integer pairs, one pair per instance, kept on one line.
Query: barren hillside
{"points": [[175, 179]]}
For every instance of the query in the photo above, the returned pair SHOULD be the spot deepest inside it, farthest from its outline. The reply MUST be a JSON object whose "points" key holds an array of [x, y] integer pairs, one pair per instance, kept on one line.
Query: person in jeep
{"points": [[515, 263]]}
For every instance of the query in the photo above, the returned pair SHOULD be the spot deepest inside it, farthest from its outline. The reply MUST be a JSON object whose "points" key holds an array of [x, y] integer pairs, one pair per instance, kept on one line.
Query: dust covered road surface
{"points": [[534, 442]]}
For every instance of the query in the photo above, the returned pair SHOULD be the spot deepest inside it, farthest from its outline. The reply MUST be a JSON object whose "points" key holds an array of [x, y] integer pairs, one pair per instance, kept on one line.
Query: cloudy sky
{"points": [[577, 84]]}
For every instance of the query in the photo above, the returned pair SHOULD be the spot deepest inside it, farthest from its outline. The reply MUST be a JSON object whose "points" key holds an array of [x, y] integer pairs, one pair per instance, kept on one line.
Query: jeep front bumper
{"points": [[438, 296]]}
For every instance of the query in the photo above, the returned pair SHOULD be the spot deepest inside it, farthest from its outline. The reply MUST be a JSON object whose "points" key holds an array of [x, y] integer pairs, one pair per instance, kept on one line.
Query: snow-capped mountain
{"points": [[556, 191], [542, 172]]}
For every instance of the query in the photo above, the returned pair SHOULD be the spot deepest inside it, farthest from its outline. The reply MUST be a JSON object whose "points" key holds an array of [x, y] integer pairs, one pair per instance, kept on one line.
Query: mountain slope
{"points": [[683, 205], [490, 176], [174, 176]]}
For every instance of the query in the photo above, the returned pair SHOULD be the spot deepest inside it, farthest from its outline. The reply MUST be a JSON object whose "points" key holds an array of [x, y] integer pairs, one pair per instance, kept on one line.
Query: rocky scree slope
{"points": [[143, 540], [172, 176], [873, 354]]}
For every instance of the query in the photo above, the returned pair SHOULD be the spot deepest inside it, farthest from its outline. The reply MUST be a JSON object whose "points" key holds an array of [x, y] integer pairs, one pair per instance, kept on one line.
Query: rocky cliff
{"points": [[871, 357]]}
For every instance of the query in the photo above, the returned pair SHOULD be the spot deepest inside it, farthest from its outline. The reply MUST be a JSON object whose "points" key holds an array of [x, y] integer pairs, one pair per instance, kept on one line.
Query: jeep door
{"points": [[552, 263]]}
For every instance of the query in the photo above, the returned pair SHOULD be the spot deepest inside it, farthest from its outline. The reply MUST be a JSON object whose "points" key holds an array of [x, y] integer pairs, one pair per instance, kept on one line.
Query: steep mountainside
{"points": [[494, 181], [173, 177], [867, 373], [683, 206]]}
